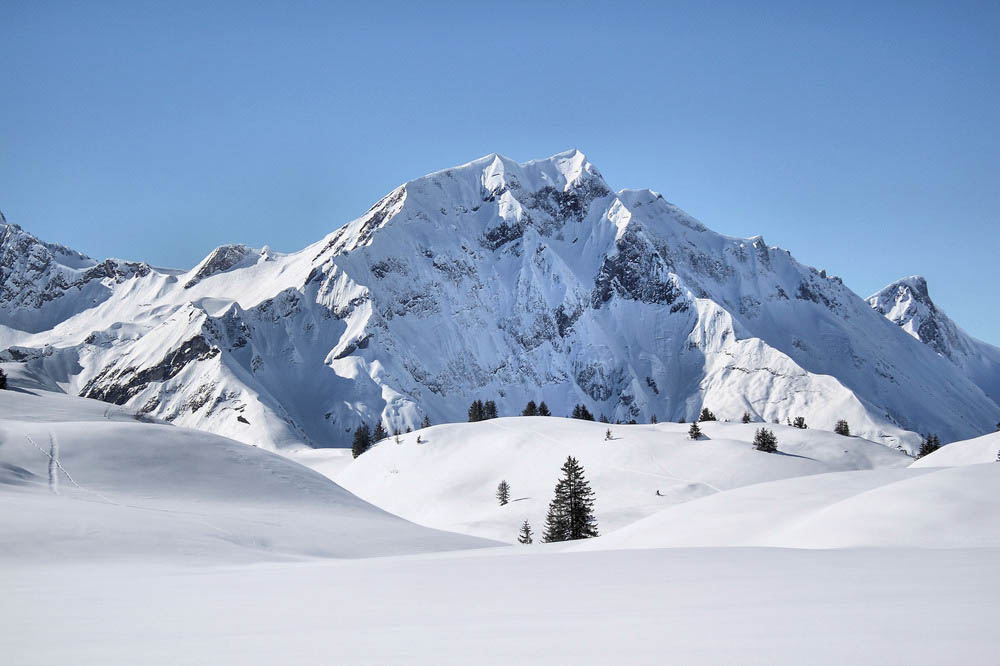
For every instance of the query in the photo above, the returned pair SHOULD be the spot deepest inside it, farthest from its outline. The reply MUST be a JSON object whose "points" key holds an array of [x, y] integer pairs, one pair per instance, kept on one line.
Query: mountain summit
{"points": [[494, 280]]}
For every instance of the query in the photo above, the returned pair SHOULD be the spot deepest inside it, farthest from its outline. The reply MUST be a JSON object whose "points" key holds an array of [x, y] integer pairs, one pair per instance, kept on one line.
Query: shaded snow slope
{"points": [[922, 508], [494, 279], [132, 490], [449, 481], [985, 449]]}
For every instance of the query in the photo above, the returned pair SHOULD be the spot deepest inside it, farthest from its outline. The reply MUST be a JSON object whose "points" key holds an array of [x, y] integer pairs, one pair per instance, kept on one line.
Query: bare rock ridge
{"points": [[494, 279]]}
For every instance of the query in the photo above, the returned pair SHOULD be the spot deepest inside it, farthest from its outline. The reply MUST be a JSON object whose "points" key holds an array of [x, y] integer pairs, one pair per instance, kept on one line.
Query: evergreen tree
{"points": [[477, 411], [706, 415], [525, 535], [571, 512], [3, 380], [490, 410], [362, 440], [426, 423], [604, 418], [543, 409], [503, 492], [800, 423], [530, 409], [409, 429], [930, 444], [379, 433], [607, 436], [581, 412], [746, 417], [842, 428], [652, 419], [765, 441], [694, 432]]}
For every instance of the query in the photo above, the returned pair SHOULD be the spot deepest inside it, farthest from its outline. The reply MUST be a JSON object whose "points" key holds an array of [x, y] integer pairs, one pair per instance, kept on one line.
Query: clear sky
{"points": [[864, 137]]}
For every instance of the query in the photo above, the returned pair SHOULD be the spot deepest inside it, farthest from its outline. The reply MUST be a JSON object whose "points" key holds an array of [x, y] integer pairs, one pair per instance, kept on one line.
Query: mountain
{"points": [[493, 279], [907, 303]]}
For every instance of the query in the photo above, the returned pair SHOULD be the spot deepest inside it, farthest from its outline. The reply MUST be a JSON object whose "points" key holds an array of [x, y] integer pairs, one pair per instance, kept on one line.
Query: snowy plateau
{"points": [[174, 487]]}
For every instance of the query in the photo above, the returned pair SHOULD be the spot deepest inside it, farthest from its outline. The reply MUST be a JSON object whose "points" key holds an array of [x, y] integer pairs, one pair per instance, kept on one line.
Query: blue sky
{"points": [[863, 137]]}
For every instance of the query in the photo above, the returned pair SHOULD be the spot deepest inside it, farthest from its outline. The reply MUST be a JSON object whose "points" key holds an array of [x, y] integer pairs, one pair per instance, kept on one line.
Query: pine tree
{"points": [[380, 433], [503, 492], [706, 415], [930, 444], [694, 432], [543, 409], [746, 417], [571, 512], [490, 410], [842, 428], [477, 411], [607, 436], [800, 423], [581, 412], [652, 419], [765, 441], [525, 535], [3, 380], [530, 409], [426, 423], [362, 440], [604, 418]]}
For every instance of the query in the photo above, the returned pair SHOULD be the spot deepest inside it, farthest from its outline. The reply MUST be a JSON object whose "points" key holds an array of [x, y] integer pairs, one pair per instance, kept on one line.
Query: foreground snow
{"points": [[682, 606], [131, 490], [449, 481]]}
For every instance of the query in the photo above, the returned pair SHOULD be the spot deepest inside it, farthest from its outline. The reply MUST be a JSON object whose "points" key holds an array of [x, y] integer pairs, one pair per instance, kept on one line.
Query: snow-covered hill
{"points": [[128, 490], [490, 280], [908, 304], [449, 481], [985, 449]]}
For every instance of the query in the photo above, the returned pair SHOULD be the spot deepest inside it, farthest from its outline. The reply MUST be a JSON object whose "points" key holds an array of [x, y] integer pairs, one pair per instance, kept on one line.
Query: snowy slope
{"points": [[149, 492], [985, 449], [449, 481], [493, 279], [908, 304], [920, 508]]}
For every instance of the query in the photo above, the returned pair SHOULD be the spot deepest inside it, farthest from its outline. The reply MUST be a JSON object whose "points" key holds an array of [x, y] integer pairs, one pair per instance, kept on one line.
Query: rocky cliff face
{"points": [[495, 280]]}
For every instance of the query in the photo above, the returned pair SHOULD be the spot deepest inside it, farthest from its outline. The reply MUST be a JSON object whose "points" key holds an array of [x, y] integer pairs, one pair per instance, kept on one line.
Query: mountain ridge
{"points": [[498, 279]]}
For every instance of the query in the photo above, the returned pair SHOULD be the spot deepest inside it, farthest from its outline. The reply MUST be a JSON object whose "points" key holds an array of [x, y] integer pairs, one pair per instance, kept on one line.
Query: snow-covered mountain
{"points": [[490, 280], [908, 304]]}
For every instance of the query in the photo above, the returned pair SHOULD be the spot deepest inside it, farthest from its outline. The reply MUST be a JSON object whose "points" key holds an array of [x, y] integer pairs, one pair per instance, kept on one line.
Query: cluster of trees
{"points": [[3, 380], [482, 411], [706, 415], [842, 428], [531, 409], [930, 444], [764, 440], [800, 423], [581, 412]]}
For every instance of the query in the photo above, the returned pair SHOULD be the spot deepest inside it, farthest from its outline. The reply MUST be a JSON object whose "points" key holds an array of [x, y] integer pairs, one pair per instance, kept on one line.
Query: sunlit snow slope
{"points": [[449, 480], [125, 489]]}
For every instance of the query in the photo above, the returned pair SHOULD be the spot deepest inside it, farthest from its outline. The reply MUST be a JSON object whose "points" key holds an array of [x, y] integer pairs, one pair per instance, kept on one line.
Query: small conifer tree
{"points": [[3, 380], [581, 412], [652, 419], [706, 415], [380, 433], [842, 428], [426, 423], [530, 409], [746, 417], [525, 536], [607, 435], [490, 410], [543, 409], [764, 440], [694, 432], [503, 492], [571, 512], [362, 440], [800, 423]]}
